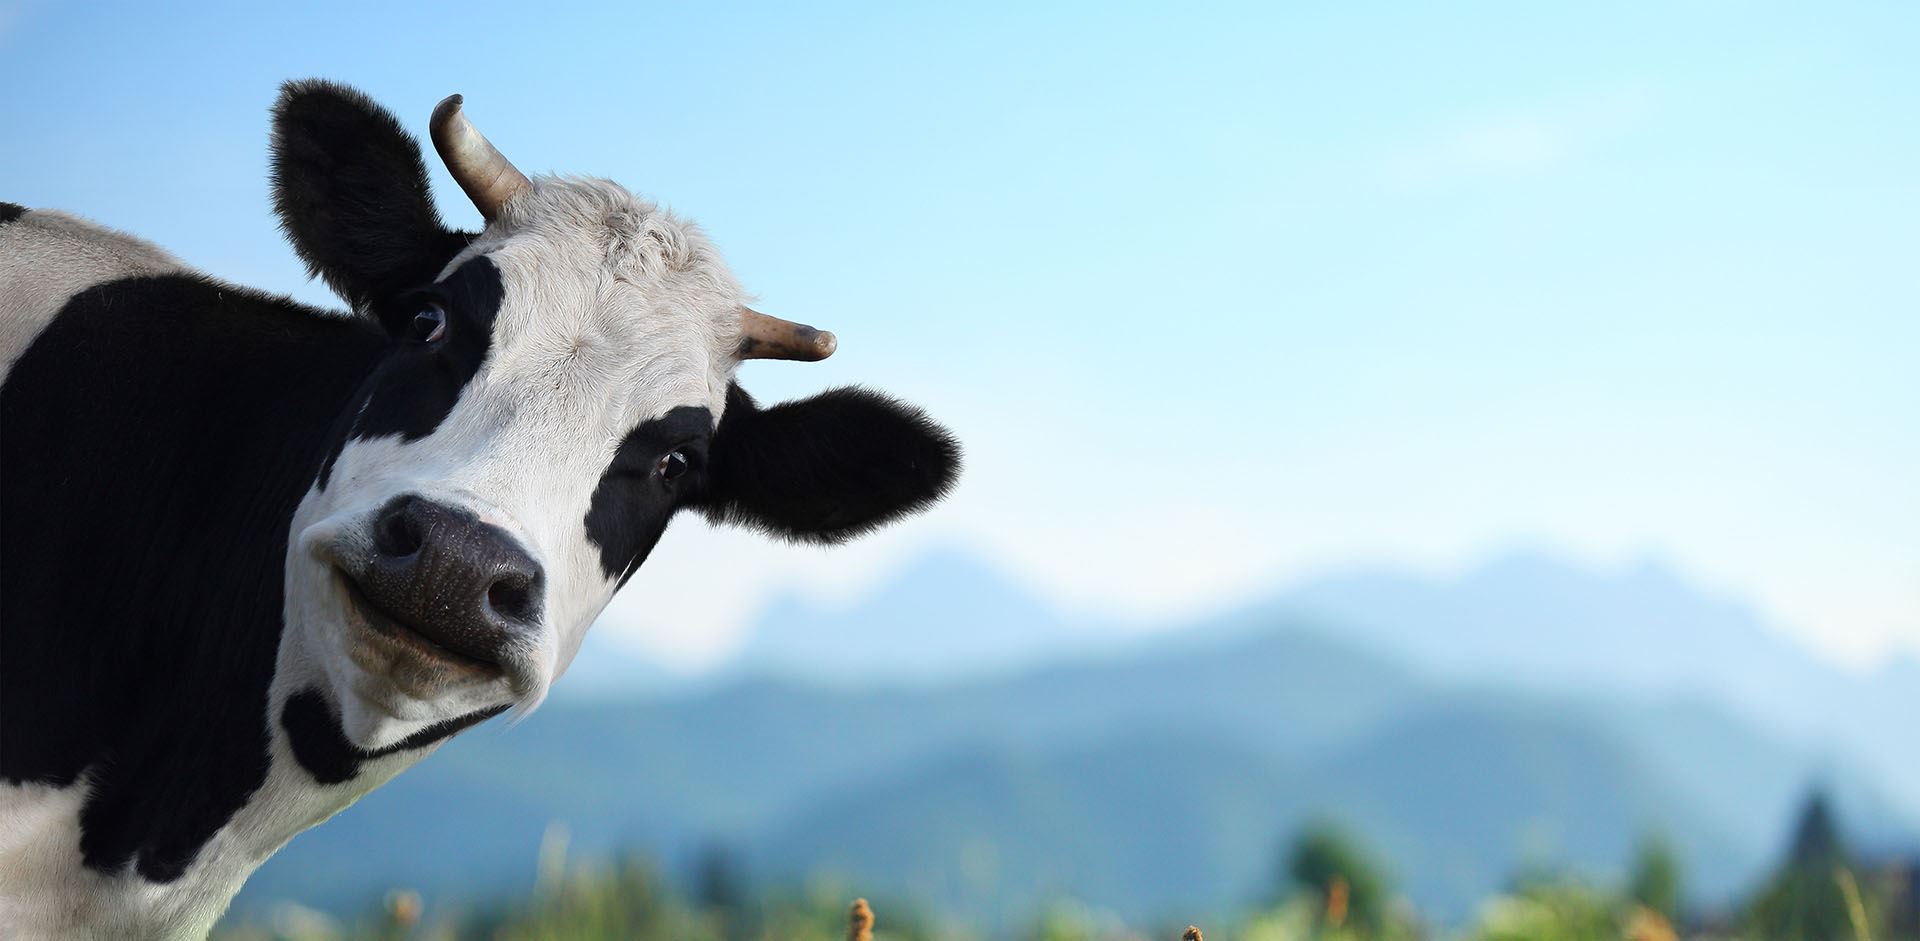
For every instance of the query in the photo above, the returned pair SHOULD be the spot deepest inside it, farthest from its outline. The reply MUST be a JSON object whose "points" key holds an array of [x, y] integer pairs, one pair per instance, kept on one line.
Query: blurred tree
{"points": [[1351, 888], [1655, 882], [1813, 894], [1816, 837], [720, 889]]}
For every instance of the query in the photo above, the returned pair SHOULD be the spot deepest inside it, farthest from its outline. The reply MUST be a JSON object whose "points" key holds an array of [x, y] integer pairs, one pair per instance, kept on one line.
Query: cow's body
{"points": [[256, 557], [194, 391]]}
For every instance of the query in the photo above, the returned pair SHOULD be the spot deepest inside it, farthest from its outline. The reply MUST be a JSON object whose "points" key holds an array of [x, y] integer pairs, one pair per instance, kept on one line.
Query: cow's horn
{"points": [[764, 337], [489, 178]]}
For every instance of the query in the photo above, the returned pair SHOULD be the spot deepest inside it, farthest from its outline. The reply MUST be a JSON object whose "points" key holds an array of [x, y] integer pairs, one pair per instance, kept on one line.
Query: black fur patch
{"points": [[160, 433], [632, 505], [321, 746], [10, 212], [414, 389], [828, 468], [412, 392], [159, 436], [351, 192]]}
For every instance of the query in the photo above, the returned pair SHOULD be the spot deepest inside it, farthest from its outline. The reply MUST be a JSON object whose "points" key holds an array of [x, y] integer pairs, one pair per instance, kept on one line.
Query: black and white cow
{"points": [[256, 558]]}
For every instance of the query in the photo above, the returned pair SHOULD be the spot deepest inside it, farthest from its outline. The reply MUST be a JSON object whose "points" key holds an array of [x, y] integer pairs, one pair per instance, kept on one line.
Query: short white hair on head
{"points": [[641, 240]]}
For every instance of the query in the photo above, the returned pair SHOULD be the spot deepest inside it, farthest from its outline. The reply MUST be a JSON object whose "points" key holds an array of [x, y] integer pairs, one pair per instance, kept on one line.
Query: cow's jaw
{"points": [[383, 681]]}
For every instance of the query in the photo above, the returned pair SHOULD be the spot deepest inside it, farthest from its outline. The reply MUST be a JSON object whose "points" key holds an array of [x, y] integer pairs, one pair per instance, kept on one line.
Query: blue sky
{"points": [[1218, 296]]}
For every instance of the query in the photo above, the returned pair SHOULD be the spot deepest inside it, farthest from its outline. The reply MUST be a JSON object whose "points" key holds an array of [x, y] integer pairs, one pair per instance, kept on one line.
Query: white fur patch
{"points": [[47, 257], [47, 892]]}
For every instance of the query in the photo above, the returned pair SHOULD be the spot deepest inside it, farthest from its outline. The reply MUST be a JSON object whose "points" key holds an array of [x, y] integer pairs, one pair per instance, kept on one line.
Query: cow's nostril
{"points": [[396, 534], [513, 597]]}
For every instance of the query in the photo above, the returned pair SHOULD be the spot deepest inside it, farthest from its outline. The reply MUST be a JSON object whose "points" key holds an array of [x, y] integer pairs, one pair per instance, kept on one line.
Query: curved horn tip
{"points": [[488, 178], [447, 107], [824, 343], [764, 337]]}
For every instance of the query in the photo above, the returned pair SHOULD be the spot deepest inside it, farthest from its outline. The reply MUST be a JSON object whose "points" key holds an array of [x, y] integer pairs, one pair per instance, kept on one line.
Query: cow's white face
{"points": [[540, 399], [579, 351]]}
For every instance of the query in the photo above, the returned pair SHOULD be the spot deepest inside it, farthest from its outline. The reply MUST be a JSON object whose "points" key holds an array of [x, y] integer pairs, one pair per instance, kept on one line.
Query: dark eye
{"points": [[428, 324], [673, 465]]}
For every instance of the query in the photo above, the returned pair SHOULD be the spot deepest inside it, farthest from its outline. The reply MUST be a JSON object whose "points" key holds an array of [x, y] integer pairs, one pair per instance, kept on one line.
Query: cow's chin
{"points": [[392, 682], [388, 681]]}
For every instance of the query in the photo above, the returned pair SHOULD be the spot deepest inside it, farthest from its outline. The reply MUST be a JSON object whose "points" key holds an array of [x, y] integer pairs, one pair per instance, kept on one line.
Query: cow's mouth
{"points": [[408, 637]]}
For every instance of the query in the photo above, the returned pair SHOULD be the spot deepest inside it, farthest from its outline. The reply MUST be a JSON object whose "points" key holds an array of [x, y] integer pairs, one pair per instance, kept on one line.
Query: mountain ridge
{"points": [[1640, 633]]}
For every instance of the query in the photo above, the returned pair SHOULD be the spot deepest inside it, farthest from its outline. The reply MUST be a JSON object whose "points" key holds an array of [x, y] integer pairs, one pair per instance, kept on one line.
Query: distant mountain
{"points": [[1462, 796], [1530, 618], [946, 616], [1160, 826], [1640, 635], [1153, 825], [1734, 774], [1154, 780]]}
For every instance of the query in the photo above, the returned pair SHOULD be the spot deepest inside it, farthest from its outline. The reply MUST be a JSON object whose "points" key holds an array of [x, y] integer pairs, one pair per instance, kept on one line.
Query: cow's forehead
{"points": [[616, 292]]}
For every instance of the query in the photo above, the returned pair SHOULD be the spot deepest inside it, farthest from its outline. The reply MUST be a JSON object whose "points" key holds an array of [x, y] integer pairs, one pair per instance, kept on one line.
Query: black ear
{"points": [[827, 468], [351, 193]]}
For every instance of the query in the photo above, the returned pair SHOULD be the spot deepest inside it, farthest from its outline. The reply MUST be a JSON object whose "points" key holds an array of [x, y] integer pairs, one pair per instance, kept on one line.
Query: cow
{"points": [[257, 557]]}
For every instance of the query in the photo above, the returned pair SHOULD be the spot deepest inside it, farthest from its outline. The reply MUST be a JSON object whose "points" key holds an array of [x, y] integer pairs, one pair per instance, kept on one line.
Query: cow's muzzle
{"points": [[463, 585]]}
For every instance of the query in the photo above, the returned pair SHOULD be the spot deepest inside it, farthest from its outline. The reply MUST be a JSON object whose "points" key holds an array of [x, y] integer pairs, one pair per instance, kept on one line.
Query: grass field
{"points": [[1329, 888]]}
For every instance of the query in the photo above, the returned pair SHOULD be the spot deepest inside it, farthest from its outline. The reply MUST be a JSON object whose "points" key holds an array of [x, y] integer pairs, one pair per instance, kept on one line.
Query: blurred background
{"points": [[1441, 472]]}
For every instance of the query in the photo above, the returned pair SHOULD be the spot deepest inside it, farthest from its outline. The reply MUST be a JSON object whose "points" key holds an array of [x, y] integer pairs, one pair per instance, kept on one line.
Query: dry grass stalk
{"points": [[1649, 925], [1856, 909], [860, 921], [1337, 895]]}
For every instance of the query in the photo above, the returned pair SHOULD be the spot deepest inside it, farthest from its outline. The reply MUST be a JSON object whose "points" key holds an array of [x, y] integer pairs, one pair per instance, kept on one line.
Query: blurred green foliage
{"points": [[1347, 885], [1655, 882], [1331, 888]]}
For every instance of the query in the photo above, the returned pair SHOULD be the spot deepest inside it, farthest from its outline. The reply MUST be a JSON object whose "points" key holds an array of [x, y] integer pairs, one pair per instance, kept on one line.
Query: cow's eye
{"points": [[673, 465], [428, 324]]}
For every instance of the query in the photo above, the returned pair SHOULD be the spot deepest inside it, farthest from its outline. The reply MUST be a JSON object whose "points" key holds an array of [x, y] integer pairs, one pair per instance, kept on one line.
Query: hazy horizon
{"points": [[893, 575]]}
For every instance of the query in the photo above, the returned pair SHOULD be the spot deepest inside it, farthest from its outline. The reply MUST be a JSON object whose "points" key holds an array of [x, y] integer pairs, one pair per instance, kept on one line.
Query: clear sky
{"points": [[1218, 296]]}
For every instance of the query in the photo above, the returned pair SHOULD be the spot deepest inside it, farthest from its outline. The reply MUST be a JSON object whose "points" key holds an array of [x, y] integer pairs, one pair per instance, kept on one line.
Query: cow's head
{"points": [[553, 390]]}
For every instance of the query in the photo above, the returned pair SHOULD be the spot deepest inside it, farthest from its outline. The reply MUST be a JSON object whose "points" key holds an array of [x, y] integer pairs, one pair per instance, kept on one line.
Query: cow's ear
{"points": [[352, 196], [827, 468]]}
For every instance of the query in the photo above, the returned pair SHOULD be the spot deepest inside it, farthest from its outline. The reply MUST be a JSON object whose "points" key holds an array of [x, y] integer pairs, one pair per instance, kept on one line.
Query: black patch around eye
{"points": [[631, 506], [429, 323], [412, 392]]}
